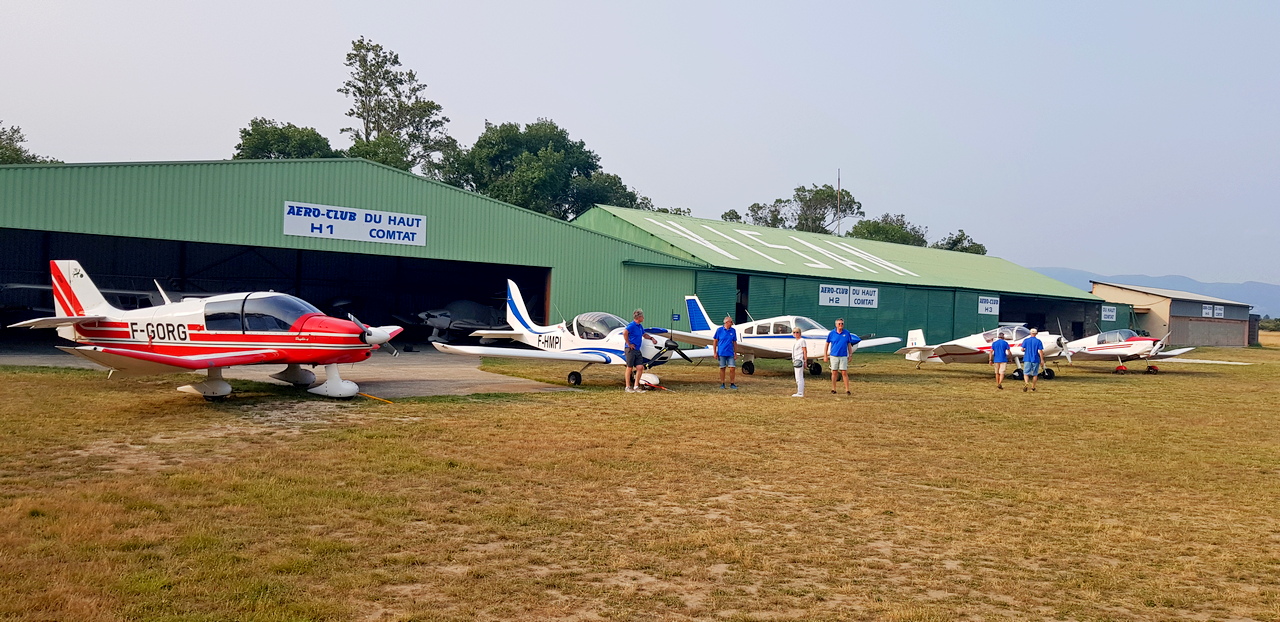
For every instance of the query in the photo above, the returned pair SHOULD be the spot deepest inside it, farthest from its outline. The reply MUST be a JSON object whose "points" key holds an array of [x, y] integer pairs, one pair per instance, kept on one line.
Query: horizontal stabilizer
{"points": [[910, 349], [55, 322], [499, 334]]}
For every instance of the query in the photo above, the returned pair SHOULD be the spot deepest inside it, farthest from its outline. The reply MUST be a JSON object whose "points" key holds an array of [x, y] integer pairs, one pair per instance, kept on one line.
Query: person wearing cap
{"points": [[725, 343], [999, 356], [840, 343], [636, 333], [799, 360], [1032, 360]]}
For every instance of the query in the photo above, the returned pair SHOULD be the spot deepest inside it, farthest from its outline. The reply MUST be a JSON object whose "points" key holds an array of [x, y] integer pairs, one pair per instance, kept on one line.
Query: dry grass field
{"points": [[928, 495]]}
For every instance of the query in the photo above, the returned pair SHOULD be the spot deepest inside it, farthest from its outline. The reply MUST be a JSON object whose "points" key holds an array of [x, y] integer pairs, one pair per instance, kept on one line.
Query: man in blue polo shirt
{"points": [[999, 357], [634, 355], [839, 345], [1032, 360], [725, 343]]}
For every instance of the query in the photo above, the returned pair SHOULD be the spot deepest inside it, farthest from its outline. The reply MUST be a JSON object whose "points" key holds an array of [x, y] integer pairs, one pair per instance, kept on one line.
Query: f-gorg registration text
{"points": [[353, 223]]}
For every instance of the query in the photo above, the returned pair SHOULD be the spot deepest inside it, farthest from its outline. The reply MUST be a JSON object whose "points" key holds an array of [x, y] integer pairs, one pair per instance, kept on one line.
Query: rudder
{"points": [[699, 321], [74, 293]]}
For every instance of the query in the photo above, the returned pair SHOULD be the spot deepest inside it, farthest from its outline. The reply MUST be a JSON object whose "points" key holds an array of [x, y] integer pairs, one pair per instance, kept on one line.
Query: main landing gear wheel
{"points": [[815, 369], [1152, 369], [575, 378], [1049, 373], [1016, 375], [748, 367], [1121, 369]]}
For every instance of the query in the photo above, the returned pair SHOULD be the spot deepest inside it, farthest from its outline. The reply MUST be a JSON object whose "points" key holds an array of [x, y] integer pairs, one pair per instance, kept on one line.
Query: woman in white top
{"points": [[799, 360]]}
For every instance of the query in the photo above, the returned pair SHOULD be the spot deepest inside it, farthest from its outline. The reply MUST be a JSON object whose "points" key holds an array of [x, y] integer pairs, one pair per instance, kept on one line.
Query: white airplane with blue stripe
{"points": [[595, 338], [769, 338]]}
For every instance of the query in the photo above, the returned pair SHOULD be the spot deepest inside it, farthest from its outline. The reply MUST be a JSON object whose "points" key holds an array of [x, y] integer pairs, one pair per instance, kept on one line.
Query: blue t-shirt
{"points": [[999, 351], [725, 338], [1031, 348], [840, 342], [635, 334]]}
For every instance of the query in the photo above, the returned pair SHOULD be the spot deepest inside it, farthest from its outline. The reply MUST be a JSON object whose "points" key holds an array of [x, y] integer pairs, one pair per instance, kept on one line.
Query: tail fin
{"points": [[915, 338], [517, 314], [74, 293], [699, 321]]}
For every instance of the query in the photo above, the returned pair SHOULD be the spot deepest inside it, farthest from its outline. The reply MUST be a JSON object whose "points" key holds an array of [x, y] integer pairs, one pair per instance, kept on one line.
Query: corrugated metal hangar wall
{"points": [[222, 226]]}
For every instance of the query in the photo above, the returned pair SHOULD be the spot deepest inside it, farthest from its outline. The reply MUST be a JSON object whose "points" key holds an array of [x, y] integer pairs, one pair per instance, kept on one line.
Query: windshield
{"points": [[596, 325], [274, 312], [1116, 336], [806, 324]]}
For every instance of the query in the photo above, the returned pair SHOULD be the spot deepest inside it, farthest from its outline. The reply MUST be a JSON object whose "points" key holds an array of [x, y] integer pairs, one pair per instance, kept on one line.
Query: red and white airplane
{"points": [[1121, 346], [208, 333], [975, 348]]}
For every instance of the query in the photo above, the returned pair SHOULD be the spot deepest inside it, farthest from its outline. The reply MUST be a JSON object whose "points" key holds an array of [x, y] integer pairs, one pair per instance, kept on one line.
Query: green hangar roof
{"points": [[749, 248]]}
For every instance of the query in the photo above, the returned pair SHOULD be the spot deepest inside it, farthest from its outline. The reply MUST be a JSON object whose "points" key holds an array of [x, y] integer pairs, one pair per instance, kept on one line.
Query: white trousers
{"points": [[800, 380]]}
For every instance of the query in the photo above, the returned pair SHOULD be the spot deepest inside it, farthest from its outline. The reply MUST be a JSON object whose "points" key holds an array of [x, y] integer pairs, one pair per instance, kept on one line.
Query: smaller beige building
{"points": [[1189, 319]]}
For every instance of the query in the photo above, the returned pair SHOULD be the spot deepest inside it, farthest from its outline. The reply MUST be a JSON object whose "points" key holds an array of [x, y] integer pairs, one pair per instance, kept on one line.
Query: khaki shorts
{"points": [[839, 363]]}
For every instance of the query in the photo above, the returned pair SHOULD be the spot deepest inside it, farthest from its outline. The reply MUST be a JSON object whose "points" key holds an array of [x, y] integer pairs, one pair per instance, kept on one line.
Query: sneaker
{"points": [[629, 390], [1033, 389], [1024, 388], [833, 391], [1000, 386], [733, 386], [721, 385], [847, 393], [797, 395]]}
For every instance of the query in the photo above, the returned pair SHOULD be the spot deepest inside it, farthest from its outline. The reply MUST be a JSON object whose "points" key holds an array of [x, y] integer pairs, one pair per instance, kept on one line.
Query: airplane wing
{"points": [[497, 334], [138, 363], [54, 322], [878, 341], [743, 348], [952, 349], [1164, 354], [519, 353]]}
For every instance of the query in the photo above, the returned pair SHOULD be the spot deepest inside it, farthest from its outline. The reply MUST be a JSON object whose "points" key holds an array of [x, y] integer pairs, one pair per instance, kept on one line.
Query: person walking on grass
{"points": [[999, 357], [1032, 360], [636, 334], [840, 343], [799, 360], [725, 343]]}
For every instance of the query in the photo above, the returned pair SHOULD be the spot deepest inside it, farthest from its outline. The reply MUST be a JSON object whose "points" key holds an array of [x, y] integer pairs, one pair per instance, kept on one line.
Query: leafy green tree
{"points": [[388, 102], [890, 228], [731, 216], [540, 168], [387, 149], [266, 139], [12, 151], [961, 242], [813, 208]]}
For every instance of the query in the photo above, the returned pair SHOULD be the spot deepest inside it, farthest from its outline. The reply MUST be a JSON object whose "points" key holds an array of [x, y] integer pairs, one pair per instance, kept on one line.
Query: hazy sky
{"points": [[1113, 137]]}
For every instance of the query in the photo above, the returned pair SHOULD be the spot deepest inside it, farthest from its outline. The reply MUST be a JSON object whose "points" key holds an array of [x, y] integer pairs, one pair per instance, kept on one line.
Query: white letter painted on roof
{"points": [[872, 258], [739, 243], [813, 263], [691, 236], [857, 267]]}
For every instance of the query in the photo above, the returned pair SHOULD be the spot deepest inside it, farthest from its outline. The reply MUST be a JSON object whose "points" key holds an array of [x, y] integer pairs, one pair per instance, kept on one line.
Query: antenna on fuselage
{"points": [[163, 295]]}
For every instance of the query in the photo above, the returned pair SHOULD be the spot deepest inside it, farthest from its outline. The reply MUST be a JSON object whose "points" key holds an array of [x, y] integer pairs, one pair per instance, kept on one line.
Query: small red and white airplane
{"points": [[1121, 346], [208, 333], [975, 348]]}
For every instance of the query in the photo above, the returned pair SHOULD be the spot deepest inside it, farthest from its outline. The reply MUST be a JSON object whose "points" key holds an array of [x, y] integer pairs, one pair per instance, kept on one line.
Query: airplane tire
{"points": [[1153, 370], [1016, 375], [575, 378], [215, 398], [815, 369], [748, 367], [1049, 373]]}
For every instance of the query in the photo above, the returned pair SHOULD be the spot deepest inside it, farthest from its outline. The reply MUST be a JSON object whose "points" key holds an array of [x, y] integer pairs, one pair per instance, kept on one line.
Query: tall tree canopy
{"points": [[814, 208], [266, 139], [12, 151], [961, 242], [388, 102], [540, 168], [890, 228]]}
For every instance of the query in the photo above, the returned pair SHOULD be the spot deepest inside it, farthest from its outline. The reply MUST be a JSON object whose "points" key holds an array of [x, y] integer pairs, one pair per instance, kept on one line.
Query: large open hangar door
{"points": [[1076, 318], [378, 289]]}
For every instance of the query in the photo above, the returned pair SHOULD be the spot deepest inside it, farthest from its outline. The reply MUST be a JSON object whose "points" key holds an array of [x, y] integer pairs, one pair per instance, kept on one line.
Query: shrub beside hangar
{"points": [[347, 235], [881, 289]]}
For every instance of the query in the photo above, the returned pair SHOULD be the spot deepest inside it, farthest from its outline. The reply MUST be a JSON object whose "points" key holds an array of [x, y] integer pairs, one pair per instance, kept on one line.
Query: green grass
{"points": [[929, 495]]}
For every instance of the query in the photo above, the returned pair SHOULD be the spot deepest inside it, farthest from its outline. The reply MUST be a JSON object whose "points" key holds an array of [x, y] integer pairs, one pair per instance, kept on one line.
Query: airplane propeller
{"points": [[1155, 349], [1062, 342], [374, 335], [672, 346]]}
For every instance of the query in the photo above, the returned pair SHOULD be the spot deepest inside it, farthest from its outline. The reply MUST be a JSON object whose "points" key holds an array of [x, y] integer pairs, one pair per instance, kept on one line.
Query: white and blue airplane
{"points": [[769, 338], [594, 338]]}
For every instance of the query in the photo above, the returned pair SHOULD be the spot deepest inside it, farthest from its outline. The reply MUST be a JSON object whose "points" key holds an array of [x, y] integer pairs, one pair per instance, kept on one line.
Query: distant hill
{"points": [[1264, 297]]}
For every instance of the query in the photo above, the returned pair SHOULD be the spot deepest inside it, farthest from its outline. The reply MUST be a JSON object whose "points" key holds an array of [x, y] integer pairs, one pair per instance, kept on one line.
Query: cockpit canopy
{"points": [[596, 325], [1008, 333], [783, 326], [1116, 336], [258, 311]]}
